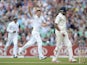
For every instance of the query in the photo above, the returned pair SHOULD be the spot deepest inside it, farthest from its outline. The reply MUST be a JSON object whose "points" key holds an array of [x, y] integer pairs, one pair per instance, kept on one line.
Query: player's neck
{"points": [[15, 22], [38, 16]]}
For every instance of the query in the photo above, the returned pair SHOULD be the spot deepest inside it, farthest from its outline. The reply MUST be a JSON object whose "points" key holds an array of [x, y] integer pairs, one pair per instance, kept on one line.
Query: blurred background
{"points": [[76, 19]]}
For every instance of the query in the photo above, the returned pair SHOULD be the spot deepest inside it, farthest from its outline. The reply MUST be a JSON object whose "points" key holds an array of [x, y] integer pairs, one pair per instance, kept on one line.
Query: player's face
{"points": [[38, 13], [15, 20]]}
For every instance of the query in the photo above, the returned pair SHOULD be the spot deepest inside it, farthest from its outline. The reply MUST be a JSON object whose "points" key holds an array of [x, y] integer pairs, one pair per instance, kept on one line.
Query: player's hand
{"points": [[63, 35], [14, 31]]}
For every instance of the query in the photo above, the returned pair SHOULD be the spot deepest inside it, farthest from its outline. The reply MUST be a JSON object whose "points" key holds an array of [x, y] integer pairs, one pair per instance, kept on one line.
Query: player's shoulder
{"points": [[17, 23], [58, 16], [10, 23], [34, 16], [61, 16], [41, 16]]}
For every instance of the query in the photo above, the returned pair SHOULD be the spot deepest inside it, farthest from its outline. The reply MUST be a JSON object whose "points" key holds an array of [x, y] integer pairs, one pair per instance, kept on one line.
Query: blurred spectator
{"points": [[76, 18]]}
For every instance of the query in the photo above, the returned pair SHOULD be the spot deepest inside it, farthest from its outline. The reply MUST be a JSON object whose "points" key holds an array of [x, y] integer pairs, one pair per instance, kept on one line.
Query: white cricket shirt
{"points": [[61, 21], [12, 27], [37, 22]]}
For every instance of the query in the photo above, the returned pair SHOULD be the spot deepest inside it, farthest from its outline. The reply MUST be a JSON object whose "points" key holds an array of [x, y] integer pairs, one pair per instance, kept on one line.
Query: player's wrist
{"points": [[14, 31], [63, 33]]}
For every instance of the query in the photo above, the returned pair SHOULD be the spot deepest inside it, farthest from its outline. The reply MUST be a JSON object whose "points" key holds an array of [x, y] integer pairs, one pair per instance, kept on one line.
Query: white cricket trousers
{"points": [[12, 38], [35, 38], [59, 40]]}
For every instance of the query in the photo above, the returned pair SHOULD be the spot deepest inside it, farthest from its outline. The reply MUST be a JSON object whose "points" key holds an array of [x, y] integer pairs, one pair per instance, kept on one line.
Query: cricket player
{"points": [[62, 36], [12, 30], [37, 22]]}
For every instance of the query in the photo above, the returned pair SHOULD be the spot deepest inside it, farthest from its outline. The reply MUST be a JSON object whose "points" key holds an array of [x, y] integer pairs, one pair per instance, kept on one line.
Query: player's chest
{"points": [[62, 21], [38, 21], [14, 26]]}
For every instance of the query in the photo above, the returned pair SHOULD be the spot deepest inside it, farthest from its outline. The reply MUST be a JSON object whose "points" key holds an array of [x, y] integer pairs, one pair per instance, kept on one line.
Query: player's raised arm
{"points": [[29, 9]]}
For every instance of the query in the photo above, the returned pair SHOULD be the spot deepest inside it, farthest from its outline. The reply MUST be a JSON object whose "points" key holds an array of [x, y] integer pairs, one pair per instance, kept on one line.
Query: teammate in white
{"points": [[12, 30], [37, 22], [62, 36]]}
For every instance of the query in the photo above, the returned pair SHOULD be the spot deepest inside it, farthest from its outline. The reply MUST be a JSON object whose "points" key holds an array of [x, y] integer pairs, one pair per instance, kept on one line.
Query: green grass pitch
{"points": [[36, 61]]}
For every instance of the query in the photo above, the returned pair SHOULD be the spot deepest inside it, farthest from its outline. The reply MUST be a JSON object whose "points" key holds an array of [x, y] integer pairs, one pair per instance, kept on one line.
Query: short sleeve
{"points": [[57, 19]]}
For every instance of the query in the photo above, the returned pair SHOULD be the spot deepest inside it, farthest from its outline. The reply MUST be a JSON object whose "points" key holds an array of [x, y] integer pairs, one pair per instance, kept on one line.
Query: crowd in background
{"points": [[76, 19]]}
